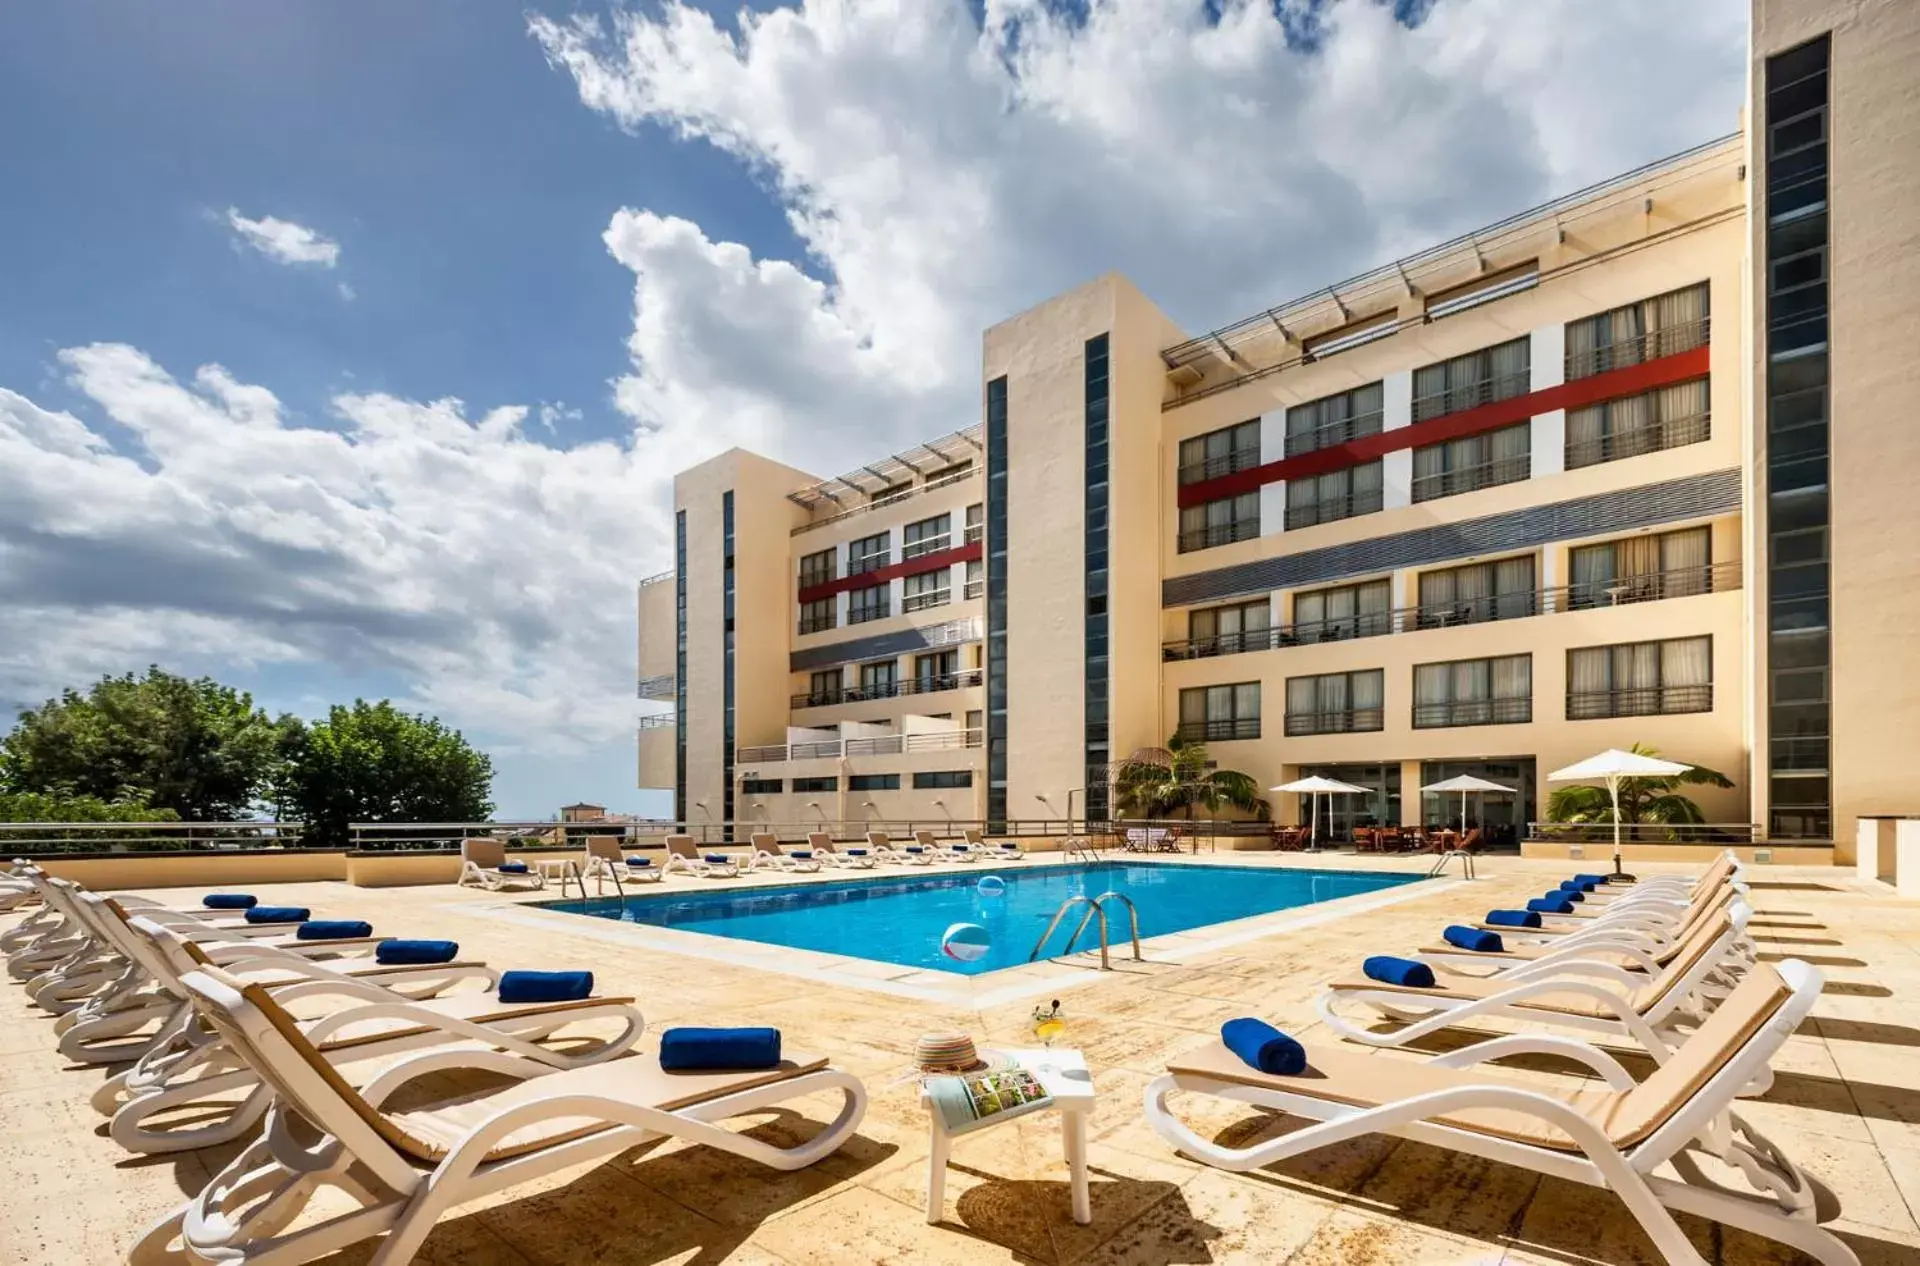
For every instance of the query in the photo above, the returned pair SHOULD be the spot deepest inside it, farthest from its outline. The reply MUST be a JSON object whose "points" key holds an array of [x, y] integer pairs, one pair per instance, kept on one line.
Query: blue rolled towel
{"points": [[1564, 894], [229, 901], [512, 868], [1264, 1047], [727, 1050], [804, 854], [1592, 879], [1514, 918], [333, 929], [1577, 885], [1479, 940], [915, 848], [1550, 905], [278, 914], [717, 859], [395, 953], [639, 863], [855, 852], [545, 986], [1398, 971]]}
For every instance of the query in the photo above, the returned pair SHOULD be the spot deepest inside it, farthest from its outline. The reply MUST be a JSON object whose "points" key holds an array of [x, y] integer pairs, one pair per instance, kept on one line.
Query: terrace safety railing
{"points": [[1637, 441], [915, 685], [878, 745], [1231, 463], [1459, 712], [1638, 349], [892, 498], [1639, 701], [1684, 582], [41, 839], [1601, 833], [1217, 534], [1091, 838], [1489, 474], [1332, 509], [1344, 721], [1334, 431]]}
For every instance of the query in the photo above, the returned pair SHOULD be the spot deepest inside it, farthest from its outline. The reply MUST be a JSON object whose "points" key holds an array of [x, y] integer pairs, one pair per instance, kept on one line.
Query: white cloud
{"points": [[348, 292], [285, 242]]}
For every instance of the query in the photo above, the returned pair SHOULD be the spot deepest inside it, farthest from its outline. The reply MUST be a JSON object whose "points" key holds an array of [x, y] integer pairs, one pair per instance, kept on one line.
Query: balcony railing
{"points": [[892, 497], [929, 545], [975, 532], [1351, 721], [880, 745], [1685, 582], [1639, 701], [1448, 483], [1219, 534], [922, 601], [817, 576], [1639, 349], [817, 623], [1434, 716], [974, 589], [869, 562], [1333, 509], [658, 721], [889, 690], [1334, 431], [1653, 438], [1471, 395], [1226, 464], [1225, 731], [875, 611], [658, 688]]}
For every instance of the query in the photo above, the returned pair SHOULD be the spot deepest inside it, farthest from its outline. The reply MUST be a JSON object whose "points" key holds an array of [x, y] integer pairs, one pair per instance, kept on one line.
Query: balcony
{"points": [[818, 623], [975, 532], [874, 611], [883, 745], [1351, 721], [869, 562], [1333, 510], [1640, 440], [1685, 582], [1219, 534], [889, 690], [1336, 431], [1214, 467], [658, 689], [1225, 731], [923, 601], [813, 576], [893, 496], [1639, 349], [1640, 701], [657, 721], [920, 549], [1449, 483], [974, 589], [1460, 397], [1456, 712]]}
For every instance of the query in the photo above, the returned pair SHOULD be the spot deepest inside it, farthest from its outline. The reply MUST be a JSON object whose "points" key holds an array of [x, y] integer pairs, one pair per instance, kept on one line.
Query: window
{"points": [[996, 645], [869, 553], [976, 523], [1335, 419], [976, 720], [1338, 494], [880, 680], [928, 536], [1640, 679], [1343, 611], [868, 604], [1499, 590], [873, 782], [1220, 522], [947, 474], [816, 784], [1478, 461], [1095, 665], [1641, 569], [1466, 382], [891, 493], [976, 578], [817, 615], [942, 779], [1473, 692], [816, 569], [928, 589], [1212, 714], [1244, 626], [1510, 281], [761, 786], [1221, 452], [1639, 332], [1336, 703], [1351, 335], [824, 687], [1646, 423], [936, 671]]}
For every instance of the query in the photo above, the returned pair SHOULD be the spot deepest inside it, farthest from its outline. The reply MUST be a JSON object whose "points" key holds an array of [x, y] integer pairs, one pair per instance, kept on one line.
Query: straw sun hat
{"points": [[947, 1053]]}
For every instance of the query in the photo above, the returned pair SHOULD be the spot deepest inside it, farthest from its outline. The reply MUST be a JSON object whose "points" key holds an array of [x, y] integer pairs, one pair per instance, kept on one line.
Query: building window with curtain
{"points": [[942, 779], [1473, 692], [1343, 611], [1640, 679], [817, 615], [1219, 522], [1638, 332], [928, 589], [1641, 569], [1217, 714], [1335, 419], [823, 688], [816, 569], [1503, 589], [1336, 703], [1244, 626], [1651, 422], [880, 680], [939, 670], [1477, 461], [869, 553], [976, 523], [1223, 452], [873, 603], [1338, 494], [976, 578], [928, 536], [1467, 382]]}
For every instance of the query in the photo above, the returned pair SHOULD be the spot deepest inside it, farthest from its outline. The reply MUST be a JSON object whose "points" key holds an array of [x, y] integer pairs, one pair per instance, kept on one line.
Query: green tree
{"points": [[34, 806], [196, 747], [1652, 800], [1181, 780], [374, 763]]}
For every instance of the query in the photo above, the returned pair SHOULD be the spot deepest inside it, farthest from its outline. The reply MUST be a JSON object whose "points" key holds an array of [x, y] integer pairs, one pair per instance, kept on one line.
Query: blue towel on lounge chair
{"points": [[278, 914], [395, 953], [1577, 885], [854, 852], [1398, 971], [333, 929], [1564, 894], [727, 1050], [229, 901], [1514, 918], [512, 868], [1592, 879], [1550, 905], [545, 986], [1479, 940], [1264, 1047], [638, 863], [717, 859], [914, 848], [804, 854]]}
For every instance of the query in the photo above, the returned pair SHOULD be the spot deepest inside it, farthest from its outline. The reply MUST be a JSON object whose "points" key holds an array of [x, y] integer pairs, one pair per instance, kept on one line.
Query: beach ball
{"points": [[965, 942], [991, 886]]}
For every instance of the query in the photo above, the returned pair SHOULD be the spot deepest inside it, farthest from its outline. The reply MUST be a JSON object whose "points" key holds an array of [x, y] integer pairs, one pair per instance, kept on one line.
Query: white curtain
{"points": [[1686, 662], [1513, 677], [1510, 369], [1368, 690], [1685, 558]]}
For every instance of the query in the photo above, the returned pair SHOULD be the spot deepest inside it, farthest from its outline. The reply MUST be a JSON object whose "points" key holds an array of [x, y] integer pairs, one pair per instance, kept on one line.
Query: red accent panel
{"points": [[912, 567], [1629, 380]]}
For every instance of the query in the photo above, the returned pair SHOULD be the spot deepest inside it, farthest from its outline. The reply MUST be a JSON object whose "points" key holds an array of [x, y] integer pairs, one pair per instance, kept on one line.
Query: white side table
{"points": [[553, 870], [1063, 1074]]}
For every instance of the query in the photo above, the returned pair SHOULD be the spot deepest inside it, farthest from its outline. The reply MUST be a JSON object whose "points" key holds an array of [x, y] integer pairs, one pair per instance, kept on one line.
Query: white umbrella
{"points": [[1315, 787], [1610, 767], [1463, 784]]}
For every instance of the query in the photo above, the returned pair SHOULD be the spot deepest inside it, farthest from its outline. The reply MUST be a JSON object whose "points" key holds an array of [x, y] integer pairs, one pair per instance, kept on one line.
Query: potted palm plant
{"points": [[1178, 781]]}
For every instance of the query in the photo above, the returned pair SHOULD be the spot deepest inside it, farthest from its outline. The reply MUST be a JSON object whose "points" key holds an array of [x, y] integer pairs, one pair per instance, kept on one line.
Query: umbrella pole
{"points": [[1613, 792]]}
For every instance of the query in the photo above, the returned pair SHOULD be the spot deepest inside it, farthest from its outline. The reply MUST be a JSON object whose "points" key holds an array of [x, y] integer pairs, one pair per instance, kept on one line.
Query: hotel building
{"points": [[1635, 466]]}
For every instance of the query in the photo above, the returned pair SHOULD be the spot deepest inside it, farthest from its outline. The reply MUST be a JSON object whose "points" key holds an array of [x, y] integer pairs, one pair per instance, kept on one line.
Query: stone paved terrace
{"points": [[1843, 1103]]}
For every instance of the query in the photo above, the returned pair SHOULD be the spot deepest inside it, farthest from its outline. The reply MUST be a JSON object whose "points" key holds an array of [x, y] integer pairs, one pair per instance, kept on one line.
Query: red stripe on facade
{"points": [[1629, 380], [969, 553]]}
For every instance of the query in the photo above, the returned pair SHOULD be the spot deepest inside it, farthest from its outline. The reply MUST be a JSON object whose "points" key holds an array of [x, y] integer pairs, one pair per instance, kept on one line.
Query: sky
{"points": [[349, 349]]}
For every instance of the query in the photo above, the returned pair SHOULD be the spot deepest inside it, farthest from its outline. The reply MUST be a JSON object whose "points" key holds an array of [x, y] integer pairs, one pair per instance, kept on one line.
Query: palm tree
{"points": [[1653, 800], [1160, 782]]}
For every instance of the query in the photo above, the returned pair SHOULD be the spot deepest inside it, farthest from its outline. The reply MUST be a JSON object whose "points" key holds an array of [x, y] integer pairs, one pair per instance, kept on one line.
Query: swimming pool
{"points": [[900, 919]]}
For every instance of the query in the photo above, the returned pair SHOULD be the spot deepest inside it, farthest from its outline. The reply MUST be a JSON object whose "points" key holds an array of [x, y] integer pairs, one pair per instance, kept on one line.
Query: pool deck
{"points": [[1844, 1102]]}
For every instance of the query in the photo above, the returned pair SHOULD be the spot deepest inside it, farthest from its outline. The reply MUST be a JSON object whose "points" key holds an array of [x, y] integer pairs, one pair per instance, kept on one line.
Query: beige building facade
{"points": [[1625, 468]]}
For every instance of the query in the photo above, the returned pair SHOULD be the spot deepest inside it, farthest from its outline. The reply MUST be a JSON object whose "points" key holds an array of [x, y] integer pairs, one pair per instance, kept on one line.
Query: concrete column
{"points": [[1410, 798], [1273, 506], [1906, 858], [1874, 848], [1273, 435], [1396, 479], [1396, 391], [1549, 432]]}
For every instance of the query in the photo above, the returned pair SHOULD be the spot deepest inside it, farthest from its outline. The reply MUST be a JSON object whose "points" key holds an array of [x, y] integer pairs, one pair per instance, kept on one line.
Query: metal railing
{"points": [[1449, 483], [926, 601], [39, 839], [1601, 833], [1640, 701], [1454, 712], [1215, 534], [1224, 731], [1638, 349], [1333, 509], [658, 721], [874, 611], [932, 485], [1347, 721], [1334, 431], [974, 589], [974, 532], [1655, 437], [1459, 397], [1214, 467], [655, 689], [869, 563], [878, 745], [811, 578], [929, 545], [890, 690], [819, 623], [658, 578]]}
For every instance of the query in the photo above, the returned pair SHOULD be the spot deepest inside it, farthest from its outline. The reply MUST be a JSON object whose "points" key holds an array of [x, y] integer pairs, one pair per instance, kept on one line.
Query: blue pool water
{"points": [[900, 919]]}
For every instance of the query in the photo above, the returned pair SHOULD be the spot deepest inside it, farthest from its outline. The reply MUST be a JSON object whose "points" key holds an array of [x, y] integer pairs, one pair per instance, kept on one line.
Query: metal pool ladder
{"points": [[1096, 909], [1466, 863], [600, 882]]}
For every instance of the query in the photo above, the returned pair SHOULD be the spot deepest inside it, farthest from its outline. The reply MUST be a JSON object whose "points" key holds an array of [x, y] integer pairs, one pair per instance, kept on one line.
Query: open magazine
{"points": [[968, 1101]]}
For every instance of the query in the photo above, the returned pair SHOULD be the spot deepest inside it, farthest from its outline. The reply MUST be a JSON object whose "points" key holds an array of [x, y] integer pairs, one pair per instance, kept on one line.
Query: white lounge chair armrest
{"points": [[1579, 966], [331, 986], [445, 1059], [1610, 1069]]}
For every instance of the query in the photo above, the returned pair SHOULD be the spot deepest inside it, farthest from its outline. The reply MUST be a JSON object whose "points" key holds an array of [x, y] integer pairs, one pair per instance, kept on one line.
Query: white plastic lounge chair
{"points": [[684, 854], [1612, 1134], [403, 1170], [943, 852], [480, 862], [1654, 916], [768, 855], [1005, 850], [605, 860], [1636, 948], [853, 858], [880, 845]]}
